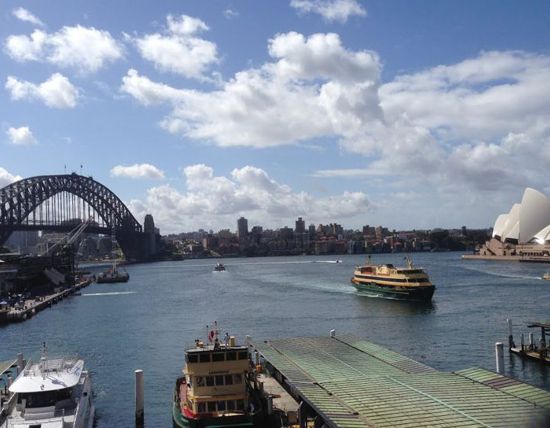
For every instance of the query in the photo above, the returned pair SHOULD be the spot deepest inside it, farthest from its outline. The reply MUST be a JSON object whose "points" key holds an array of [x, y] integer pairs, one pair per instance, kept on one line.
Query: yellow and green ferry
{"points": [[388, 281], [214, 390]]}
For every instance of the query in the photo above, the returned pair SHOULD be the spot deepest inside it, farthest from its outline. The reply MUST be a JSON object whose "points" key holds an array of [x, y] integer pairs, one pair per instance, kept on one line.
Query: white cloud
{"points": [[179, 50], [215, 201], [21, 136], [314, 78], [143, 170], [477, 126], [331, 10], [24, 15], [7, 178], [83, 48], [56, 92], [230, 13]]}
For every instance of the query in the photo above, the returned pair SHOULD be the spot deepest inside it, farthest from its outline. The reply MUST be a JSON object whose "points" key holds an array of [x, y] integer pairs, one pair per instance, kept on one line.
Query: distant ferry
{"points": [[215, 389], [386, 280]]}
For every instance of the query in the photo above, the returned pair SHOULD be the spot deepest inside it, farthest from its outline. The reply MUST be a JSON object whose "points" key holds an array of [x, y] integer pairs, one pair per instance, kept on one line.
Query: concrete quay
{"points": [[33, 306]]}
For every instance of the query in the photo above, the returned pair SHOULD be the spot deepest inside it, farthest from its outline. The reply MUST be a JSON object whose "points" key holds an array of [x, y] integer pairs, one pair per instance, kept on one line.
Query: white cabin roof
{"points": [[48, 375]]}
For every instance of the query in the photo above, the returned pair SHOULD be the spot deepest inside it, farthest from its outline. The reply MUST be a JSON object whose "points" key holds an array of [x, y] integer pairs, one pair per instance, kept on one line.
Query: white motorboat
{"points": [[52, 393]]}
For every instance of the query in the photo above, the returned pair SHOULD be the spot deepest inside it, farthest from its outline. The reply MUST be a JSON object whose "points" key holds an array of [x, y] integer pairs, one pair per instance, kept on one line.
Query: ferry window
{"points": [[240, 405], [211, 406], [192, 358], [218, 356], [228, 380], [243, 355], [221, 406], [209, 380], [231, 405], [202, 407], [199, 380], [219, 380], [204, 358], [237, 378], [231, 356]]}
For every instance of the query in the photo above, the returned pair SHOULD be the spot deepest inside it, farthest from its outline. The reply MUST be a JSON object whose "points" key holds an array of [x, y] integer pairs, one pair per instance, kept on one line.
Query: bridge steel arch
{"points": [[18, 200]]}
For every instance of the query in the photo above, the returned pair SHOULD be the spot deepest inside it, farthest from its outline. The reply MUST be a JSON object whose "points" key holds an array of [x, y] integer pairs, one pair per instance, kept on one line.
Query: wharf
{"points": [[348, 382], [7, 399], [532, 351], [32, 306]]}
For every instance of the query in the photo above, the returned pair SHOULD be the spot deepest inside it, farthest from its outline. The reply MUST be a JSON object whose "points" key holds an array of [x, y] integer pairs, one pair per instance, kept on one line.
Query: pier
{"points": [[348, 382], [33, 306], [532, 351]]}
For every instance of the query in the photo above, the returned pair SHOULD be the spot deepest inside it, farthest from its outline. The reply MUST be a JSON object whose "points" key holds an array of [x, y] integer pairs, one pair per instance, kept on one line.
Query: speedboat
{"points": [[216, 386], [546, 276], [219, 268], [52, 393], [386, 280]]}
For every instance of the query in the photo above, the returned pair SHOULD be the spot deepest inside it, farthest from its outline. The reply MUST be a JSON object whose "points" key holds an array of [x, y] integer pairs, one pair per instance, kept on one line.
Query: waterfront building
{"points": [[302, 238], [522, 232], [242, 228]]}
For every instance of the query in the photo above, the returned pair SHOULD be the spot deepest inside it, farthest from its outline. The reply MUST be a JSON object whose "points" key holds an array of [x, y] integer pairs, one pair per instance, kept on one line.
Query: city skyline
{"points": [[413, 115]]}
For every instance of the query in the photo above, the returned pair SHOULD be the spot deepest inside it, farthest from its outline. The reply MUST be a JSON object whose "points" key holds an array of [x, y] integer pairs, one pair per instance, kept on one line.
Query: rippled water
{"points": [[149, 321]]}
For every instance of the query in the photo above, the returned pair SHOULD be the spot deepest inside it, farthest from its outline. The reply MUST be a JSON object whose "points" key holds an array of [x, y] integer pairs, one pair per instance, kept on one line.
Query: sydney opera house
{"points": [[523, 233]]}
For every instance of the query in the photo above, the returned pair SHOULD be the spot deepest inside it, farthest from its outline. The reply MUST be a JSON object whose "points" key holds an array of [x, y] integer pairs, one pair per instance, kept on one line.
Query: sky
{"points": [[406, 114]]}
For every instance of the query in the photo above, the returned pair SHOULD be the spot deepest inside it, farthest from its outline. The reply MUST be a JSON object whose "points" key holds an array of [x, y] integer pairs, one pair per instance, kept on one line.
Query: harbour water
{"points": [[149, 321]]}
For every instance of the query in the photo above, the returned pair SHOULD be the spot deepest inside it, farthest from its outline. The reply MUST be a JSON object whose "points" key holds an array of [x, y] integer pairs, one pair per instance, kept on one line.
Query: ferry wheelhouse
{"points": [[386, 280], [214, 389]]}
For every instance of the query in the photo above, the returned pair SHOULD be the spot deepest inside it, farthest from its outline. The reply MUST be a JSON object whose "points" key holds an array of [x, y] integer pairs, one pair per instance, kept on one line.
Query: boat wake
{"points": [[503, 275], [112, 293]]}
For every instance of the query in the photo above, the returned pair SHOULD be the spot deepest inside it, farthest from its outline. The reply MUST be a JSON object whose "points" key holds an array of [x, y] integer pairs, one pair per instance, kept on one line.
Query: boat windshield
{"points": [[45, 398]]}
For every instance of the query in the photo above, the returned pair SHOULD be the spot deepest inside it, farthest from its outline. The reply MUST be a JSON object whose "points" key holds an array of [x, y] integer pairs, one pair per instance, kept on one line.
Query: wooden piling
{"points": [[140, 399], [499, 354]]}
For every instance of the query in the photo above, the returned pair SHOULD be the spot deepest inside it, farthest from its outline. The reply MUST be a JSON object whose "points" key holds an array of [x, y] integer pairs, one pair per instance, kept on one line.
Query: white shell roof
{"points": [[499, 225], [58, 374], [534, 214], [511, 220], [528, 220], [543, 235]]}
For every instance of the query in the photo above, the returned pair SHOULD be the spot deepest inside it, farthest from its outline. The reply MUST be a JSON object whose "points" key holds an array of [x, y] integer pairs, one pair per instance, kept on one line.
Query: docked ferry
{"points": [[215, 389], [386, 280], [53, 393]]}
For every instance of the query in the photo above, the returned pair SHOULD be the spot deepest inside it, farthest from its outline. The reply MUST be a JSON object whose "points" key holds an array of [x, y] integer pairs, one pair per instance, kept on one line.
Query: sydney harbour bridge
{"points": [[56, 202]]}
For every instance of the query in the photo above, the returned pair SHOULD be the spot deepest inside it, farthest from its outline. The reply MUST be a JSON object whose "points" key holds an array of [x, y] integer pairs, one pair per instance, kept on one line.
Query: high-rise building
{"points": [[300, 226], [242, 228]]}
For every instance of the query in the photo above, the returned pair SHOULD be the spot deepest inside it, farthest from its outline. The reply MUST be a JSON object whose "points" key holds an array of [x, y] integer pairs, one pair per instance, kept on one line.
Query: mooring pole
{"points": [[510, 337], [499, 353], [140, 417]]}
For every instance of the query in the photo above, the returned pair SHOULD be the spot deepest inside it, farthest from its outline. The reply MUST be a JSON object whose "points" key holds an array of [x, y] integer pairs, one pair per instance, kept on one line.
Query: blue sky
{"points": [[409, 114]]}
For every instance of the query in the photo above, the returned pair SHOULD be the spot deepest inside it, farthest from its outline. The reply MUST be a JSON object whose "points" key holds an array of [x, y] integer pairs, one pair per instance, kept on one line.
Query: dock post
{"points": [[511, 343], [522, 342], [531, 341], [140, 417], [499, 357]]}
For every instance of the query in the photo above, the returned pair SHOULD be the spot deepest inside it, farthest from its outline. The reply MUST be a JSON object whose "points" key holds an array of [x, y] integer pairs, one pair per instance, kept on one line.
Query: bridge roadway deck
{"points": [[352, 383]]}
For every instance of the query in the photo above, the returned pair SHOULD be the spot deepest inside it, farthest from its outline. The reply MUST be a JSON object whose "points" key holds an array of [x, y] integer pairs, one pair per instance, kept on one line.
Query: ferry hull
{"points": [[417, 294]]}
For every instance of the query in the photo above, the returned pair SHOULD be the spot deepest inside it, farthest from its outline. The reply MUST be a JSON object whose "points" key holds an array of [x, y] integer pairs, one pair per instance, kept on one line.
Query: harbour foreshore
{"points": [[33, 306]]}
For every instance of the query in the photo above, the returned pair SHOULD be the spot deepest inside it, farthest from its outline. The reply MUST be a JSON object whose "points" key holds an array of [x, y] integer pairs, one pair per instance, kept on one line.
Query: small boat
{"points": [[216, 387], [54, 392], [113, 275], [388, 281], [219, 268], [546, 276]]}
